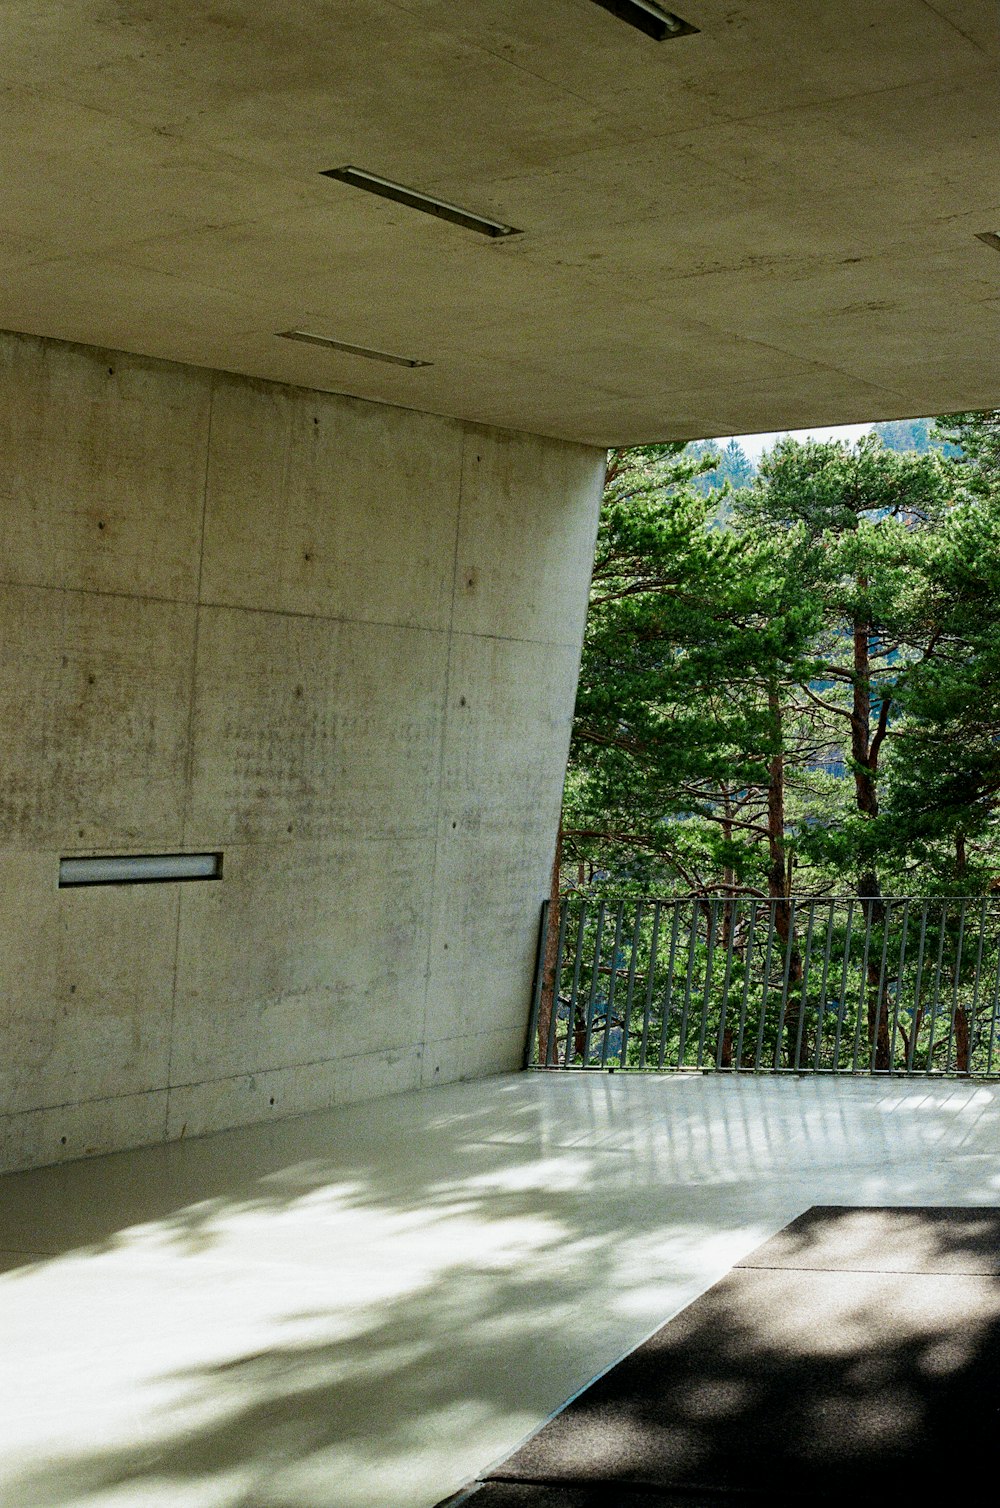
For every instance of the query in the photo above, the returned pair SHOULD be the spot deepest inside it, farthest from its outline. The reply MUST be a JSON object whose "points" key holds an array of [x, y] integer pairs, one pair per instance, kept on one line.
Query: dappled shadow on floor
{"points": [[689, 1130], [411, 1289], [938, 1239], [801, 1382]]}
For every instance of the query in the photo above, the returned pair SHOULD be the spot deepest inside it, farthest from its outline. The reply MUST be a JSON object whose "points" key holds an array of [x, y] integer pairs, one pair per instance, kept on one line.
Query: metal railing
{"points": [[893, 986]]}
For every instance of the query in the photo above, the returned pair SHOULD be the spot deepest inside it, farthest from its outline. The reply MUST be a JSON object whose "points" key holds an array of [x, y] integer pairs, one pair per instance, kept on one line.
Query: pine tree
{"points": [[688, 629], [807, 697]]}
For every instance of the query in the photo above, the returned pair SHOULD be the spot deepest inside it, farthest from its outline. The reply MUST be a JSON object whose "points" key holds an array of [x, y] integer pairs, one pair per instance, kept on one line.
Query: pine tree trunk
{"points": [[962, 1063], [878, 999], [864, 753], [962, 1056], [549, 981], [726, 935], [779, 875]]}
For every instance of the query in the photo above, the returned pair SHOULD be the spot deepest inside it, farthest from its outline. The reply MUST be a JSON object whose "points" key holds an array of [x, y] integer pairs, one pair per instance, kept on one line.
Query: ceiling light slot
{"points": [[385, 188], [645, 16], [310, 339]]}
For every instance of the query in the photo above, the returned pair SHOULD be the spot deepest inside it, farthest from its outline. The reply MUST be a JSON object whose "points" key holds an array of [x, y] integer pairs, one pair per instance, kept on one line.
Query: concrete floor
{"points": [[364, 1308]]}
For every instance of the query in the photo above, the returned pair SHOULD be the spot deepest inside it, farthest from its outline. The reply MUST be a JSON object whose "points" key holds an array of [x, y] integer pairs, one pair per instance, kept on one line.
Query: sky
{"points": [[755, 445]]}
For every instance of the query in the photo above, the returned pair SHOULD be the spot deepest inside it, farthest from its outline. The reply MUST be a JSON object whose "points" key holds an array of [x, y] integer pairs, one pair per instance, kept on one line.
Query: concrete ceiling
{"points": [[769, 224]]}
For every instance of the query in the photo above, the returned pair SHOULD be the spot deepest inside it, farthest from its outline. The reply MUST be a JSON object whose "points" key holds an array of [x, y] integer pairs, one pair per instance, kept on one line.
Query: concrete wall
{"points": [[337, 641]]}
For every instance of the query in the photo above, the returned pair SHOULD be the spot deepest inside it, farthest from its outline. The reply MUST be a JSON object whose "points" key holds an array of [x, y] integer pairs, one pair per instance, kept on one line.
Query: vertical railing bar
{"points": [[649, 984], [574, 993], [954, 991], [556, 979], [595, 975], [863, 992], [975, 981], [789, 950], [713, 927], [747, 963], [536, 992], [682, 1045], [804, 994], [730, 901], [899, 987], [842, 998], [612, 981], [631, 982], [668, 997], [821, 1008], [765, 984], [937, 986], [993, 1016], [917, 987], [880, 987]]}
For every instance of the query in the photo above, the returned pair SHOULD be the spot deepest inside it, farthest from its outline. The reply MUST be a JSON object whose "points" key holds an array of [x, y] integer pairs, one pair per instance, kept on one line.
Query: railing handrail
{"points": [[746, 895]]}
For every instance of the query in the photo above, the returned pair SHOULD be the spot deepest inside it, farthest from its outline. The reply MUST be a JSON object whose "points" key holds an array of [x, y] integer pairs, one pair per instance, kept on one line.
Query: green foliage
{"points": [[807, 700], [913, 434], [831, 487], [727, 470], [687, 627], [976, 435]]}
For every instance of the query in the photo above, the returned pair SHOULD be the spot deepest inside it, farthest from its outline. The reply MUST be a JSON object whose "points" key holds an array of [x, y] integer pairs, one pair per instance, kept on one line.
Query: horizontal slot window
{"points": [[140, 869]]}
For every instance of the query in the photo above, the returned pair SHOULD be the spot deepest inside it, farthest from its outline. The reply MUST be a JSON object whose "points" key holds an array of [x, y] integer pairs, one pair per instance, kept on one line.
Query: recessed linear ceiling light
{"points": [[989, 238], [386, 189], [342, 345], [652, 19]]}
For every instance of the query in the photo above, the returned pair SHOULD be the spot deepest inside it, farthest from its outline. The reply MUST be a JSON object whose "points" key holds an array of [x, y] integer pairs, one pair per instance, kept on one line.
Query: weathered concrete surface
{"points": [[337, 641], [768, 224]]}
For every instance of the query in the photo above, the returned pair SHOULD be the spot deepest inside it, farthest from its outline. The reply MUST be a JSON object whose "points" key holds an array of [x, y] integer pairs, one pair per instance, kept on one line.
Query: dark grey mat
{"points": [[524, 1495], [790, 1382], [862, 1239]]}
